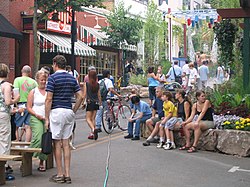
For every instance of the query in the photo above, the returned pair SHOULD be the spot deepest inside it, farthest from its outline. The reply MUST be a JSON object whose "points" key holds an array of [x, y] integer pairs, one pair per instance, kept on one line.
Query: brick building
{"points": [[90, 48]]}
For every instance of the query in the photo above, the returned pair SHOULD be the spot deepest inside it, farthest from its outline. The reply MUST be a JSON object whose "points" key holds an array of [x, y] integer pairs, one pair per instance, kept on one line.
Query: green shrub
{"points": [[139, 80]]}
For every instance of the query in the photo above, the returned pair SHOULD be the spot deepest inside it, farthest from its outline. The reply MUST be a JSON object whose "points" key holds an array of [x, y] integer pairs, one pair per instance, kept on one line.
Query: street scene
{"points": [[125, 93]]}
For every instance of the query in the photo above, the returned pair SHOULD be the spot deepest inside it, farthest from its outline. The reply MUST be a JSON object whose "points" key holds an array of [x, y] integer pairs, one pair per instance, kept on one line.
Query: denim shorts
{"points": [[151, 90]]}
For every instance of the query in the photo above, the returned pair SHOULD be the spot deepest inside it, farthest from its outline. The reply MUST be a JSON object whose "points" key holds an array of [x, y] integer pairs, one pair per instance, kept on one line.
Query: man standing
{"points": [[110, 88], [203, 72], [25, 84], [59, 115], [174, 71]]}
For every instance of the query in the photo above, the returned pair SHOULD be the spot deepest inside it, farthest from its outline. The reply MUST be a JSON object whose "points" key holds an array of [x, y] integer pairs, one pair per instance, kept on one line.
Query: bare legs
{"points": [[66, 153], [90, 118]]}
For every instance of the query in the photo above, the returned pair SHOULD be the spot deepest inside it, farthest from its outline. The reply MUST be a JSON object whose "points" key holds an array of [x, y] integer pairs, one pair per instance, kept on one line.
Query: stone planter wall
{"points": [[233, 142]]}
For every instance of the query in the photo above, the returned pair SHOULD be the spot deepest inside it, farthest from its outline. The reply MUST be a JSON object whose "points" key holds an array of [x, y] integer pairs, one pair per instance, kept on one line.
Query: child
{"points": [[169, 112]]}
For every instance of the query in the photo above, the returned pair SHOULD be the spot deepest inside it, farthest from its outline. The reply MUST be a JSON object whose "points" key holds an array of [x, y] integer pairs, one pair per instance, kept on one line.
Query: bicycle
{"points": [[115, 115]]}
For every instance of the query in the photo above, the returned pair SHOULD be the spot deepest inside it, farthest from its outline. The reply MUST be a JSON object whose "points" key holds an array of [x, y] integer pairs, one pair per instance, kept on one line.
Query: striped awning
{"points": [[95, 37], [91, 36], [53, 43]]}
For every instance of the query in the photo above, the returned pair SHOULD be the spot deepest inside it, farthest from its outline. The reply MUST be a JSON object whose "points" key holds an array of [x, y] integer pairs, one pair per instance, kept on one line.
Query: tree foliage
{"points": [[224, 3], [225, 34], [154, 34], [123, 27]]}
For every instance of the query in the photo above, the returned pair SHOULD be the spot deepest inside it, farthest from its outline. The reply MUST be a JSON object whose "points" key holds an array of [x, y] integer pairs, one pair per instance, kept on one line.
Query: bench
{"points": [[3, 160], [27, 153], [49, 162]]}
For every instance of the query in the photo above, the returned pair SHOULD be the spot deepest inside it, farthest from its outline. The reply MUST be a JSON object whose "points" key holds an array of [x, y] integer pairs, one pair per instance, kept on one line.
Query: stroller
{"points": [[172, 87]]}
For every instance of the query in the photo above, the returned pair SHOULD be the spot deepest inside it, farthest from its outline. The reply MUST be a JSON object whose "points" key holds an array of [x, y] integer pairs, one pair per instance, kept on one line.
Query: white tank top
{"points": [[39, 102]]}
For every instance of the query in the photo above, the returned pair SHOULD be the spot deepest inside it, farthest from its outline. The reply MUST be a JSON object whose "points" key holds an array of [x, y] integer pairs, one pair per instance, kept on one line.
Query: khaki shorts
{"points": [[155, 120], [209, 124], [61, 123]]}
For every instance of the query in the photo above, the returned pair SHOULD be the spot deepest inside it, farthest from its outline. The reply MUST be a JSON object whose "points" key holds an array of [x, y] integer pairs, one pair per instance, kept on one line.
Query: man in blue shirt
{"points": [[175, 69], [144, 114], [60, 116], [151, 123]]}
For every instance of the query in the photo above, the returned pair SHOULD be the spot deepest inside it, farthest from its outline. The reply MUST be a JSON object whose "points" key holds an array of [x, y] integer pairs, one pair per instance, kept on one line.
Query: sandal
{"points": [[41, 169], [184, 148], [192, 149]]}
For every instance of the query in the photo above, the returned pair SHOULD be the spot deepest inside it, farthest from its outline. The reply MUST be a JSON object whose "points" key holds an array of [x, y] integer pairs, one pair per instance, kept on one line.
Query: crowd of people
{"points": [[46, 103]]}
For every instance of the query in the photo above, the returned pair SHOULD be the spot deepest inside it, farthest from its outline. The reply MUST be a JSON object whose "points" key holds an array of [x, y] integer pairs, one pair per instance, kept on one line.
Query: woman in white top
{"points": [[36, 107]]}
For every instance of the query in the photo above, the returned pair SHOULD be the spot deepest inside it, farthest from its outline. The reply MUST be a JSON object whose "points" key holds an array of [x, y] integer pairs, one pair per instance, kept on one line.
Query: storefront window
{"points": [[102, 60]]}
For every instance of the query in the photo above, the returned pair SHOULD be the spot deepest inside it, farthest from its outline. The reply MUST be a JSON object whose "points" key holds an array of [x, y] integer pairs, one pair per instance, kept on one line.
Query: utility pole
{"points": [[73, 40]]}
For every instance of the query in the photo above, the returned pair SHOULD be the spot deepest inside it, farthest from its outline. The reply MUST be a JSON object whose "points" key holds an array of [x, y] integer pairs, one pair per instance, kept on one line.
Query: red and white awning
{"points": [[54, 43]]}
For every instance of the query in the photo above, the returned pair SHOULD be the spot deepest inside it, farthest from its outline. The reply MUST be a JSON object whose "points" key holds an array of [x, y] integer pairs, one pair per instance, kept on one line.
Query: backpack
{"points": [[177, 78], [103, 89]]}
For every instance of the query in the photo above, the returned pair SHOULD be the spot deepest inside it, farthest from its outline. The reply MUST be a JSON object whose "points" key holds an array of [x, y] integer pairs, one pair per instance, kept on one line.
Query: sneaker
{"points": [[128, 137], [57, 179], [173, 145], [9, 177], [160, 145], [153, 140], [67, 180], [167, 146], [146, 143], [136, 138], [91, 136]]}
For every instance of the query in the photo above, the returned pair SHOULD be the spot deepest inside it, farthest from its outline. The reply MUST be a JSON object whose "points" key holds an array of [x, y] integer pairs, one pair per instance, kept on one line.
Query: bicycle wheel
{"points": [[108, 121], [124, 114]]}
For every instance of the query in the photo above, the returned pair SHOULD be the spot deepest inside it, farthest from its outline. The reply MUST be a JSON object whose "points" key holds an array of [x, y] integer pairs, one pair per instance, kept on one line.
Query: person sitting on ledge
{"points": [[145, 113], [204, 121]]}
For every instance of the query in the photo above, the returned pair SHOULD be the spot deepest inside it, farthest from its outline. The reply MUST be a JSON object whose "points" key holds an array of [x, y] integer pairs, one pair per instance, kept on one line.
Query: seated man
{"points": [[145, 113], [151, 123]]}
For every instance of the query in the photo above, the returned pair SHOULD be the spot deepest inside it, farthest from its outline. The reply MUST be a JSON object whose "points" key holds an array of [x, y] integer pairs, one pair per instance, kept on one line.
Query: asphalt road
{"points": [[133, 165]]}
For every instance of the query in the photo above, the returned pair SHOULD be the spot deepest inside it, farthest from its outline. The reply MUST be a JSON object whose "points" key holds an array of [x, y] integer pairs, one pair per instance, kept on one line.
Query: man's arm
{"points": [[79, 99], [48, 104]]}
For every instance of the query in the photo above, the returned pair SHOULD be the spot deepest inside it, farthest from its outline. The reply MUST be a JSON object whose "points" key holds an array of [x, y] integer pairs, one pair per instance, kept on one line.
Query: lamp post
{"points": [[73, 39]]}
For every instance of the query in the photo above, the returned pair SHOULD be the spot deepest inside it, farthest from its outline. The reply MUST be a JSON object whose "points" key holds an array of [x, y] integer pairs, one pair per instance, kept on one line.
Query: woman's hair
{"points": [[92, 80], [150, 69], [4, 70], [191, 64], [198, 93], [41, 73], [184, 95]]}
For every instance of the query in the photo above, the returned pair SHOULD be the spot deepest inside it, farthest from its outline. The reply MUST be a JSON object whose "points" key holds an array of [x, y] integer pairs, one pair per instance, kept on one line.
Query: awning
{"points": [[55, 43], [95, 37], [8, 30], [91, 36]]}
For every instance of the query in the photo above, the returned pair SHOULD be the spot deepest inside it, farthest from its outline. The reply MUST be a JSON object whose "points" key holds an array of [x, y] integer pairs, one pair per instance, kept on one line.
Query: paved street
{"points": [[133, 165]]}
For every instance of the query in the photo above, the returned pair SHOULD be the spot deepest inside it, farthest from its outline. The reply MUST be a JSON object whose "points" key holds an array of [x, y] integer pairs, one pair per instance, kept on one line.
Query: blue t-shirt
{"points": [[158, 106], [63, 86], [143, 107]]}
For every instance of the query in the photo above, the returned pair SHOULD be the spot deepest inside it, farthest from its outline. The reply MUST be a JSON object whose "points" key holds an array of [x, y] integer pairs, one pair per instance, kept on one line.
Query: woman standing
{"points": [[193, 75], [153, 82], [91, 93], [204, 110], [5, 102], [36, 107]]}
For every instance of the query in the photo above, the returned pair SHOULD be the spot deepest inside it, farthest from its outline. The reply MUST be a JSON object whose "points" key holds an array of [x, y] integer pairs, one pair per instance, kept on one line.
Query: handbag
{"points": [[47, 142], [177, 78]]}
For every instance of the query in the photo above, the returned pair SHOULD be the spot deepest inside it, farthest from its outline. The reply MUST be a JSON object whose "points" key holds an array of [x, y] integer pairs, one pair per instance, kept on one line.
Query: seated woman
{"points": [[183, 113], [204, 110]]}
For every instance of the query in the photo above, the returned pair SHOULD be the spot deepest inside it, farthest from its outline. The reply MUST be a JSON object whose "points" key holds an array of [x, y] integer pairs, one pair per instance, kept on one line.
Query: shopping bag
{"points": [[47, 142]]}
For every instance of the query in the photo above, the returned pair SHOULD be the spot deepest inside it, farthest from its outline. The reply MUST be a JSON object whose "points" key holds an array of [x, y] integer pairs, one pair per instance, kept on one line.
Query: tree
{"points": [[123, 27], [224, 3], [154, 33], [51, 6]]}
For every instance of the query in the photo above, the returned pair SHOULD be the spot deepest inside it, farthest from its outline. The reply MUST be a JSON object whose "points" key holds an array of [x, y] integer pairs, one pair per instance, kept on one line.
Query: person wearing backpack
{"points": [[106, 86]]}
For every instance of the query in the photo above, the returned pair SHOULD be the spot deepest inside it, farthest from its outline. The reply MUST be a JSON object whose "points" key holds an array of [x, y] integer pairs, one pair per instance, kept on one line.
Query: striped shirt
{"points": [[63, 86]]}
